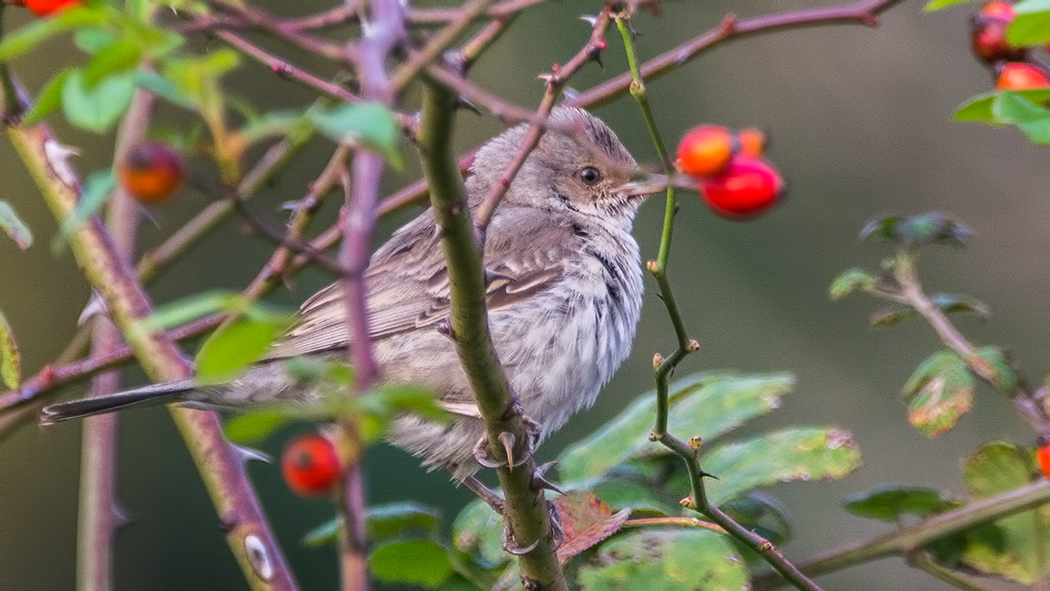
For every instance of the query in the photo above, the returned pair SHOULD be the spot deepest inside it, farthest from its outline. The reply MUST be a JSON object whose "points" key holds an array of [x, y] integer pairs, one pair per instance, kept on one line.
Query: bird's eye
{"points": [[589, 175]]}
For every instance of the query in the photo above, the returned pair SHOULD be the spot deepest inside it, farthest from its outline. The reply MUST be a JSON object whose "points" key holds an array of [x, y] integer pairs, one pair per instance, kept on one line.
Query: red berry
{"points": [[752, 142], [705, 150], [748, 187], [151, 172], [47, 7], [1021, 76], [1042, 455], [310, 465], [988, 34]]}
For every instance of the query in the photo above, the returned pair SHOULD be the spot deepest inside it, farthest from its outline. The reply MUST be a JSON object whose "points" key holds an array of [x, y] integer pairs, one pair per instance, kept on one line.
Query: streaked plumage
{"points": [[564, 299]]}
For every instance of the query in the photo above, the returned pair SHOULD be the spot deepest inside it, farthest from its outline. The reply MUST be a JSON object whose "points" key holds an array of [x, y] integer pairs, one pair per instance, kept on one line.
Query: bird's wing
{"points": [[408, 286]]}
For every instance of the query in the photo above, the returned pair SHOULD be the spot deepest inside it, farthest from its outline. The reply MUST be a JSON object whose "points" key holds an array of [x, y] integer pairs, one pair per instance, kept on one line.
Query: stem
{"points": [[922, 561], [245, 528], [665, 367], [527, 512], [99, 517], [911, 293], [923, 533]]}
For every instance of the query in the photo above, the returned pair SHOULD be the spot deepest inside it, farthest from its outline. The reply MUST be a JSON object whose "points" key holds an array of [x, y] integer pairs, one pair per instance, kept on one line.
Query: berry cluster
{"points": [[736, 181], [1013, 66]]}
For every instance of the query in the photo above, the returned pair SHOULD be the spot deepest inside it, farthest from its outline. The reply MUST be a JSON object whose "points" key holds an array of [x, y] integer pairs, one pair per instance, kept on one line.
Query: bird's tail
{"points": [[145, 396]]}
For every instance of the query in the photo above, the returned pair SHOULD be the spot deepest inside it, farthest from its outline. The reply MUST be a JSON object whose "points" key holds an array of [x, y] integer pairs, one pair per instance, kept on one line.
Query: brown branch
{"points": [[863, 13], [246, 530], [555, 83]]}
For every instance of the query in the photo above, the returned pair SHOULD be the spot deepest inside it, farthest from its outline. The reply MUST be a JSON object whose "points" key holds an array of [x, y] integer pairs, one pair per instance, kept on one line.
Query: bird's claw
{"points": [[507, 441]]}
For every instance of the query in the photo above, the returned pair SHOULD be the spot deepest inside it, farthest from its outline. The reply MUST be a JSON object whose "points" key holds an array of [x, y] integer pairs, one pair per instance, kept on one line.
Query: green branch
{"points": [[246, 530], [526, 513], [925, 532], [663, 368]]}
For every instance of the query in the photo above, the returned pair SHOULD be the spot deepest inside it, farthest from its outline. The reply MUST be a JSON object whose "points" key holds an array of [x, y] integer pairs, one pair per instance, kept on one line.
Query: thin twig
{"points": [[555, 83], [664, 368], [245, 528], [863, 13]]}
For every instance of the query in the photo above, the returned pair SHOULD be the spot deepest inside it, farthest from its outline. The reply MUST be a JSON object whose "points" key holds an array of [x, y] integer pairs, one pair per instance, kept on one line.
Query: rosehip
{"points": [[310, 465], [44, 8], [1042, 456], [151, 172], [988, 34], [705, 150], [752, 142], [1021, 76], [748, 187]]}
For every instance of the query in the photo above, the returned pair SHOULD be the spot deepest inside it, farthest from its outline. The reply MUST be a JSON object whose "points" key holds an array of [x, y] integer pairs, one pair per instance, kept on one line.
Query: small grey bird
{"points": [[564, 298]]}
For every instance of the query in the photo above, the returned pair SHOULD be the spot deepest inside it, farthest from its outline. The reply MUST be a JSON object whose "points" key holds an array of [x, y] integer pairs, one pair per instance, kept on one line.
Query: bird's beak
{"points": [[650, 183]]}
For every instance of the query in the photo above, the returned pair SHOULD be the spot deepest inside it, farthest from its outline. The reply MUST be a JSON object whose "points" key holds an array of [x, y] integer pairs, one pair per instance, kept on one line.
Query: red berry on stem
{"points": [[150, 172], [1042, 455], [752, 142], [988, 34], [748, 187], [310, 465], [44, 8], [705, 150], [1021, 76]]}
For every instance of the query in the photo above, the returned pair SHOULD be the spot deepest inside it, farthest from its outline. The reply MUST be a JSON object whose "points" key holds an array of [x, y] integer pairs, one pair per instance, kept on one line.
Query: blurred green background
{"points": [[860, 121]]}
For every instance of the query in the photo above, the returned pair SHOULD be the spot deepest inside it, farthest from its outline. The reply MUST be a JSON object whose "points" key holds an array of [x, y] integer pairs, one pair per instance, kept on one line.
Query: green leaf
{"points": [[479, 529], [114, 59], [762, 514], [255, 425], [710, 404], [892, 315], [802, 453], [21, 41], [394, 519], [1031, 26], [995, 469], [323, 535], [10, 360], [96, 108], [195, 307], [420, 562], [934, 5], [369, 123], [891, 502], [624, 494], [231, 349], [97, 188], [163, 88], [94, 39], [950, 303], [384, 522], [927, 228], [14, 227], [665, 561], [1031, 118], [48, 100], [996, 363], [979, 108], [940, 392], [850, 281]]}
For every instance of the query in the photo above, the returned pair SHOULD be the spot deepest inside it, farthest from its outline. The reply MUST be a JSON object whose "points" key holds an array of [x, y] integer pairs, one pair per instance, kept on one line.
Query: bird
{"points": [[564, 297]]}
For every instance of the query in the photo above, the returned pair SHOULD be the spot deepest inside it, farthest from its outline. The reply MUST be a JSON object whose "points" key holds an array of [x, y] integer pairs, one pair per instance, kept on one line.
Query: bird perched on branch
{"points": [[564, 297]]}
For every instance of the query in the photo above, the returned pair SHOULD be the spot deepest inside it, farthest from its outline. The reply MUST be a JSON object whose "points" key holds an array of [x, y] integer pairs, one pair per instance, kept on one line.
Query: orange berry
{"points": [[44, 8], [1042, 456], [988, 34], [752, 142], [748, 187], [310, 465], [151, 172], [1021, 76], [705, 150]]}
